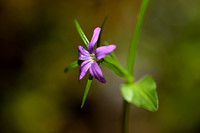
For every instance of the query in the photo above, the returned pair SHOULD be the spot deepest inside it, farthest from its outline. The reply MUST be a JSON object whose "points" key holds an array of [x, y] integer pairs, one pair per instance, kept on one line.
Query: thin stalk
{"points": [[131, 61], [125, 117], [135, 37]]}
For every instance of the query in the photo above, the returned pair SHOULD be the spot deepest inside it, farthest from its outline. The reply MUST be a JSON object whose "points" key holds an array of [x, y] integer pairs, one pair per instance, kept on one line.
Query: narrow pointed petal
{"points": [[102, 51], [84, 68], [94, 39], [96, 72], [83, 54]]}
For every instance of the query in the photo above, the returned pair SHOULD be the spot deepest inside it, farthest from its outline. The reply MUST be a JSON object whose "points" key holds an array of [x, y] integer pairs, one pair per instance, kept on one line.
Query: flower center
{"points": [[92, 57]]}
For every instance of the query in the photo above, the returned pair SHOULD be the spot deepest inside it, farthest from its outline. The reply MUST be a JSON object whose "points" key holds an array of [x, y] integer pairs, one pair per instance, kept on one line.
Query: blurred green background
{"points": [[38, 40]]}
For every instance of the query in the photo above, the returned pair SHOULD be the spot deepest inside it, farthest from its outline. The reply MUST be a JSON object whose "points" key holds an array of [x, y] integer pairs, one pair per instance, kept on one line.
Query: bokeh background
{"points": [[38, 40]]}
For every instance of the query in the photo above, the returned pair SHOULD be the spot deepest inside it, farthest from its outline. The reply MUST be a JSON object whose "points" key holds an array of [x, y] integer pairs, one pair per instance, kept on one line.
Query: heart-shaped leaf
{"points": [[142, 93]]}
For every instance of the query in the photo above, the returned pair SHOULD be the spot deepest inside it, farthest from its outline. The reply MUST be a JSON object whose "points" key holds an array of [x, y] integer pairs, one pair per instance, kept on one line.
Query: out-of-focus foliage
{"points": [[38, 40]]}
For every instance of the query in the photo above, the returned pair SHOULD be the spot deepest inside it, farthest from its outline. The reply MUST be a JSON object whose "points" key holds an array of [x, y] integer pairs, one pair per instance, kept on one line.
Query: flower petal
{"points": [[102, 51], [96, 72], [94, 39], [83, 54], [84, 68]]}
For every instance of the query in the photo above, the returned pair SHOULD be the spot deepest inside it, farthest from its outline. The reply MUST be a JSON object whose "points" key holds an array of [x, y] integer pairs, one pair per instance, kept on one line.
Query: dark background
{"points": [[38, 40]]}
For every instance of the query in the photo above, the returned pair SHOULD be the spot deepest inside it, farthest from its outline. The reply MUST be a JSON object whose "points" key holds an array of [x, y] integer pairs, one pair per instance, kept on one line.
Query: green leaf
{"points": [[89, 82], [81, 33], [114, 66], [73, 65], [98, 41], [142, 93], [114, 57]]}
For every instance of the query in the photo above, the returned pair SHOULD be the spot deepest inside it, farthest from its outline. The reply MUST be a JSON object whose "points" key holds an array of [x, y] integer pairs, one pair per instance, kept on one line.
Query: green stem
{"points": [[131, 61], [125, 117], [135, 37]]}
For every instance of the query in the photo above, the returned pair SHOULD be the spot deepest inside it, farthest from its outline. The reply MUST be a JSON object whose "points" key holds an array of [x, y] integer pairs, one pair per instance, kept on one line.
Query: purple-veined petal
{"points": [[84, 68], [96, 72], [102, 51], [94, 39], [83, 54]]}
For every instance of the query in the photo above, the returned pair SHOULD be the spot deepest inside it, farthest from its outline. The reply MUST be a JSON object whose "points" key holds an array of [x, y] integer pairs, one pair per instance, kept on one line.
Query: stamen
{"points": [[92, 57]]}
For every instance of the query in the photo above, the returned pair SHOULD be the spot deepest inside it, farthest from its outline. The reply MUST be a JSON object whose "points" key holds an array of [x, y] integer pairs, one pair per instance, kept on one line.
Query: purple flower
{"points": [[89, 57]]}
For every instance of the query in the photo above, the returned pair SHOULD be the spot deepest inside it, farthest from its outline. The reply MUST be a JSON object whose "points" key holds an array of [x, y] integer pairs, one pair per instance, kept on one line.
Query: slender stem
{"points": [[135, 37], [125, 117], [131, 61]]}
